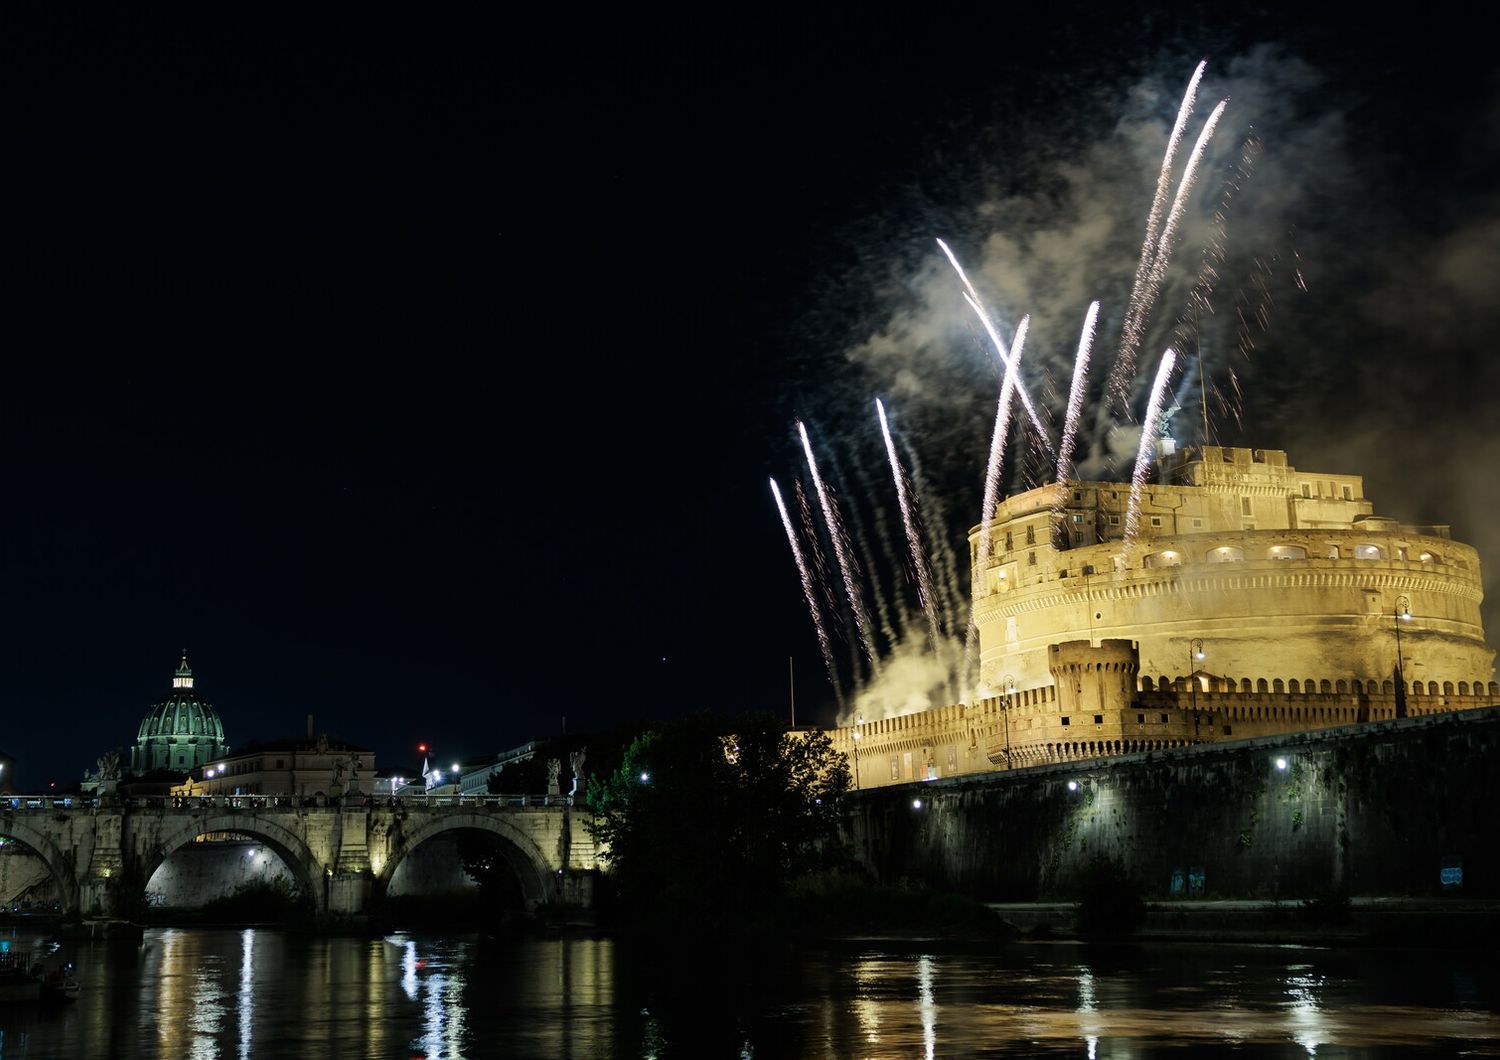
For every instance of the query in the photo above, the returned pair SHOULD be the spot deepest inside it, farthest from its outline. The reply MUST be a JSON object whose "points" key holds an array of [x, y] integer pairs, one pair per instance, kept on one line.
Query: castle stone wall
{"points": [[1374, 809]]}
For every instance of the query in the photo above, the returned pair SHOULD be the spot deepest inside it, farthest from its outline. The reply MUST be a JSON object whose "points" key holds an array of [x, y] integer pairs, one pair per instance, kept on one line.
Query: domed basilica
{"points": [[180, 733]]}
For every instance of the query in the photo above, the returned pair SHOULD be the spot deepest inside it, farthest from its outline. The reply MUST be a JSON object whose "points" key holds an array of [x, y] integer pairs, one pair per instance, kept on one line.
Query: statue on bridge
{"points": [[554, 775], [109, 765], [576, 758]]}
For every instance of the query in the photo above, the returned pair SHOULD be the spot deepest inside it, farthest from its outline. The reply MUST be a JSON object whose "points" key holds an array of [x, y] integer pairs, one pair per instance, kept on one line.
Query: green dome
{"points": [[181, 732]]}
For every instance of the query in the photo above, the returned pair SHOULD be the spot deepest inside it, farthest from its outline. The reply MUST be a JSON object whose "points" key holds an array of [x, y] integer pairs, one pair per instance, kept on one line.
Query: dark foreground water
{"points": [[266, 993]]}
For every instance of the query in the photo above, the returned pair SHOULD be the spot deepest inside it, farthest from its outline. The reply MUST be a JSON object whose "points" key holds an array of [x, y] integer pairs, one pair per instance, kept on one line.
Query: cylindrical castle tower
{"points": [[1243, 568]]}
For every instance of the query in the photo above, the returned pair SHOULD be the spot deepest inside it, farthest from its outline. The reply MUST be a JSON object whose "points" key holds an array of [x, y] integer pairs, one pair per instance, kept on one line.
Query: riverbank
{"points": [[1415, 922]]}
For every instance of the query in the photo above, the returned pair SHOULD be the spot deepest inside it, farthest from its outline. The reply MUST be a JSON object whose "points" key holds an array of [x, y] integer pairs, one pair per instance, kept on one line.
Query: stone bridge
{"points": [[343, 855]]}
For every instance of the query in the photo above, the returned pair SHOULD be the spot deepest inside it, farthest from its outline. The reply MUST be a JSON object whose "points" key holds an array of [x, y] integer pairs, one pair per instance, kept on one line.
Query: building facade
{"points": [[296, 768]]}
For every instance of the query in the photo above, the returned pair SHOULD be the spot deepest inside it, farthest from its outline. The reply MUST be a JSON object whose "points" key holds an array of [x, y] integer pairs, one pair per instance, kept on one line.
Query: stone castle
{"points": [[1253, 599]]}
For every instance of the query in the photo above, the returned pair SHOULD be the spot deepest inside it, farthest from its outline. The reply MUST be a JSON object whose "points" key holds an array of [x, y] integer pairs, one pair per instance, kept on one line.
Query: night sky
{"points": [[426, 377]]}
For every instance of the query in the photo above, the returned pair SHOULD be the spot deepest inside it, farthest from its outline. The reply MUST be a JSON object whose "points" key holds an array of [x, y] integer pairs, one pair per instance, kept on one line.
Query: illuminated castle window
{"points": [[1225, 554], [1368, 552], [1164, 559], [1287, 552]]}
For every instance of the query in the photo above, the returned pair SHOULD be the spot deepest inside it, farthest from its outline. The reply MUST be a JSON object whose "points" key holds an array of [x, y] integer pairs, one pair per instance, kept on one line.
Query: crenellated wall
{"points": [[1099, 706]]}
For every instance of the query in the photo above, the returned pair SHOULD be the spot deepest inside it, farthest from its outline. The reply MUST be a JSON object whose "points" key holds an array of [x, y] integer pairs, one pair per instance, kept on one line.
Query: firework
{"points": [[807, 591], [1075, 393], [971, 296], [925, 595], [992, 478], [1149, 427], [841, 553], [1136, 307]]}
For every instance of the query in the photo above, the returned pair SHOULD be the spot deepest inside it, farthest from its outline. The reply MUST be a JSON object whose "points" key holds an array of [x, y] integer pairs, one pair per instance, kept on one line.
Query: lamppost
{"points": [[858, 725], [1399, 614], [1008, 688], [1195, 655]]}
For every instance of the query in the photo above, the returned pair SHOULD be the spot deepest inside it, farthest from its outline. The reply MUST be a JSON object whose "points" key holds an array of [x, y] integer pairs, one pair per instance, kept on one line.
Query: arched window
{"points": [[1387, 687], [1168, 558], [1286, 552], [1447, 688], [1428, 557], [1261, 686], [1147, 685], [1325, 686], [1278, 686], [1368, 552], [1463, 688], [1342, 686], [1495, 688], [1225, 554], [1294, 686], [1245, 685], [1310, 686], [1333, 552]]}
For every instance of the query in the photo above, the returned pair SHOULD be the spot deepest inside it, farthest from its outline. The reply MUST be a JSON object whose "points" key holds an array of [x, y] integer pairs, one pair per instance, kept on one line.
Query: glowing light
{"points": [[925, 594], [807, 589], [1149, 427], [1138, 303], [1281, 764], [455, 767], [841, 553], [1075, 392], [645, 778], [971, 296], [916, 804], [422, 747], [1072, 785], [992, 478]]}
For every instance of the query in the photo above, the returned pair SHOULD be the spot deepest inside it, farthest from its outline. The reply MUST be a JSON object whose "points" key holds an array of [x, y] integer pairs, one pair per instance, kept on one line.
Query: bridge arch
{"points": [[522, 854], [60, 866], [286, 843]]}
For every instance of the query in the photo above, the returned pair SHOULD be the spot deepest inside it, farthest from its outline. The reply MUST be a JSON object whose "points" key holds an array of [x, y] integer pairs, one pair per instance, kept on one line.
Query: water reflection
{"points": [[267, 994]]}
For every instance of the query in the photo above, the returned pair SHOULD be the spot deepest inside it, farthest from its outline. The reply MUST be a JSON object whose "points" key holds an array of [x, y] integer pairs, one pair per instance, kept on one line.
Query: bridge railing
{"points": [[13, 803]]}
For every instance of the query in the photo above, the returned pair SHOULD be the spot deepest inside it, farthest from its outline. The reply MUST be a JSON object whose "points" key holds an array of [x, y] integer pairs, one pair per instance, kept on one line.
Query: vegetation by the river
{"points": [[711, 823]]}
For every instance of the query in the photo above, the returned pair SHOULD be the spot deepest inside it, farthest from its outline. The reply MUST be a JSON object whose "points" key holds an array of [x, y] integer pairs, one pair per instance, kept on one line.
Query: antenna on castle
{"points": [[791, 680]]}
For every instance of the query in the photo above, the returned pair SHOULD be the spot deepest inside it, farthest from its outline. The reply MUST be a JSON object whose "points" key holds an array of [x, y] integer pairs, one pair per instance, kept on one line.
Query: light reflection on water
{"points": [[268, 994]]}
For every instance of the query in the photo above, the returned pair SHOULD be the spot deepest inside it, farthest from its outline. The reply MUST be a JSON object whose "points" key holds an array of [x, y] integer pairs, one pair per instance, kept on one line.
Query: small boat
{"points": [[58, 984]]}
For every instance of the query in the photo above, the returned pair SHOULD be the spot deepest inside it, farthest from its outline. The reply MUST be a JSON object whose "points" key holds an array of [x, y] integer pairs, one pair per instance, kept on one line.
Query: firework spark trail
{"points": [[971, 296], [944, 559], [1076, 393], [897, 630], [841, 553], [925, 595], [1149, 427], [992, 480], [831, 599], [1136, 305], [1179, 203], [1210, 272], [810, 594]]}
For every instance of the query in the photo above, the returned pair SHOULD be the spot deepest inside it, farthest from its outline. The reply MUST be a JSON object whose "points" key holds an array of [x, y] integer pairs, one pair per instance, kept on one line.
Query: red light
{"points": [[422, 747]]}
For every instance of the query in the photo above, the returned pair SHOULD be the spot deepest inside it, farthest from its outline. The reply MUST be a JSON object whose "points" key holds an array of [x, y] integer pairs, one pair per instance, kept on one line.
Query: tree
{"points": [[708, 821]]}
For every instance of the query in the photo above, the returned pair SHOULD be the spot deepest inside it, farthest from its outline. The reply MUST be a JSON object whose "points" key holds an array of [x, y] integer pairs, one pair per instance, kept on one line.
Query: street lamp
{"points": [[1008, 688], [1400, 613], [1195, 655]]}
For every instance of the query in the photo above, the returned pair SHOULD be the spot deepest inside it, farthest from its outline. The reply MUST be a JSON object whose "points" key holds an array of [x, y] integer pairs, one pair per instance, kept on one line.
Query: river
{"points": [[264, 993]]}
